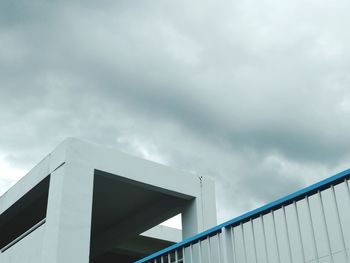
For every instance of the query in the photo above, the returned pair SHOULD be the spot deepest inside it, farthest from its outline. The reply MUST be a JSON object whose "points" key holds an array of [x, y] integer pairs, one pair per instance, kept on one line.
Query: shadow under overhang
{"points": [[123, 209]]}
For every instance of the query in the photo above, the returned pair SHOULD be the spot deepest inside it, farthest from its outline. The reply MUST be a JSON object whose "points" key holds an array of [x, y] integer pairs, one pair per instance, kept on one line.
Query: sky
{"points": [[253, 94]]}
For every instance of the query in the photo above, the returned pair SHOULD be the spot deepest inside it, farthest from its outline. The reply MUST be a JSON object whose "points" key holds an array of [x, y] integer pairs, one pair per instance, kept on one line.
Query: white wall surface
{"points": [[27, 250]]}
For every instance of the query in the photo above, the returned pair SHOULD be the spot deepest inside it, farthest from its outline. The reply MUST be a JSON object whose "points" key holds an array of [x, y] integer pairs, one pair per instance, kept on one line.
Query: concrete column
{"points": [[191, 218], [68, 221], [199, 214]]}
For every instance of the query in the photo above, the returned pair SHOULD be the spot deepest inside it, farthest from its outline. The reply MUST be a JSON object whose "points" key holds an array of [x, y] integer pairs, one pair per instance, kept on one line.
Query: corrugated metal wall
{"points": [[311, 227]]}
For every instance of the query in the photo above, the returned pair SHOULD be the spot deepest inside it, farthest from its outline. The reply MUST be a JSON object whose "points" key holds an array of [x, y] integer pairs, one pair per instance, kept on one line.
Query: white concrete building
{"points": [[84, 203], [88, 204]]}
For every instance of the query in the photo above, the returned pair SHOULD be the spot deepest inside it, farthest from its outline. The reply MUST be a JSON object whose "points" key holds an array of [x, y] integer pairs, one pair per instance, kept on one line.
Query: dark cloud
{"points": [[252, 94]]}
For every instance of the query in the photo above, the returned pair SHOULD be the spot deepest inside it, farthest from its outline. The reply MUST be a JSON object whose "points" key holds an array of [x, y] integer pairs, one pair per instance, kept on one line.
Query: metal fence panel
{"points": [[312, 226]]}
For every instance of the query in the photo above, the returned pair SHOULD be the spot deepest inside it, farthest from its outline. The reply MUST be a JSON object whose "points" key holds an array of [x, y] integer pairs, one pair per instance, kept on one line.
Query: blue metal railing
{"points": [[296, 196]]}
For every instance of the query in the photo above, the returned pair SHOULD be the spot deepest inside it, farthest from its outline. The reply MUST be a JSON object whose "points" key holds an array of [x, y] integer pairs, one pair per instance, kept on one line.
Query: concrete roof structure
{"points": [[84, 201]]}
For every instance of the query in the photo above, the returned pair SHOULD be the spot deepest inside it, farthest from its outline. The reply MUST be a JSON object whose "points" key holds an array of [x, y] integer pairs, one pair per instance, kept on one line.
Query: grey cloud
{"points": [[212, 88]]}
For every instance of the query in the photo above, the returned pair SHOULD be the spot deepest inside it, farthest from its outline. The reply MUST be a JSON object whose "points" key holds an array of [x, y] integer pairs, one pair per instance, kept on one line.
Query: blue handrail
{"points": [[255, 213]]}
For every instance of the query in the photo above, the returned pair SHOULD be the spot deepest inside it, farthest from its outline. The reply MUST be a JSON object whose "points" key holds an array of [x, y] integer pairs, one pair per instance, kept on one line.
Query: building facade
{"points": [[88, 204], [84, 203]]}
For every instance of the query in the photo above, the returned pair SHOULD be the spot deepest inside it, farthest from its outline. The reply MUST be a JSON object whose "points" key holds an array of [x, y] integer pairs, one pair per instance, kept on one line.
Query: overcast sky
{"points": [[254, 94]]}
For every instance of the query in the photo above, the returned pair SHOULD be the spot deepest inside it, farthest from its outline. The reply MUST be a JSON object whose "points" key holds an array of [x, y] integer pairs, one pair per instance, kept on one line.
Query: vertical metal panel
{"points": [[191, 253], [264, 236], [224, 246], [300, 239], [205, 252], [245, 242], [275, 236], [312, 228], [261, 248], [343, 201], [209, 250], [318, 227], [220, 248], [176, 256], [239, 244], [233, 245], [282, 236], [339, 226], [287, 235], [251, 224], [216, 249], [331, 220], [271, 238], [325, 226], [199, 251], [306, 232]]}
